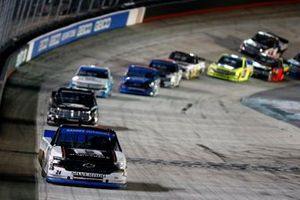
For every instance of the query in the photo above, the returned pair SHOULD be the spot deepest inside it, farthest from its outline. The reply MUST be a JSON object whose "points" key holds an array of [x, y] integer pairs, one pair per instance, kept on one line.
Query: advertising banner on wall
{"points": [[77, 31]]}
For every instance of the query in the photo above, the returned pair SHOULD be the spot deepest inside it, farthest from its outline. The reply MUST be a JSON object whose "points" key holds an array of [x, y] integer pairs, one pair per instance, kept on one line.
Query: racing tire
{"points": [[172, 86], [43, 173], [52, 123], [41, 157], [94, 123], [239, 77], [281, 77], [177, 86], [199, 73], [152, 94], [270, 76], [189, 76]]}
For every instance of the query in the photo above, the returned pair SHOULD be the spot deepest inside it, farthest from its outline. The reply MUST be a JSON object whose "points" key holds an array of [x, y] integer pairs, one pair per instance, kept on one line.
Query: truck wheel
{"points": [[270, 76], [43, 173]]}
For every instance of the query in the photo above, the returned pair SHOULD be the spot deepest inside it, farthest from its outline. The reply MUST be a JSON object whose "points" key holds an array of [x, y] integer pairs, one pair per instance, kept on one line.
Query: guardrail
{"points": [[154, 10]]}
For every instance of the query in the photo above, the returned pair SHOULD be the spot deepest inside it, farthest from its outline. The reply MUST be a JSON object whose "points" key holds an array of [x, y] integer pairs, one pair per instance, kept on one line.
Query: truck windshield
{"points": [[268, 61], [230, 61], [93, 72], [265, 40], [183, 57], [164, 67], [141, 72], [84, 138], [71, 97]]}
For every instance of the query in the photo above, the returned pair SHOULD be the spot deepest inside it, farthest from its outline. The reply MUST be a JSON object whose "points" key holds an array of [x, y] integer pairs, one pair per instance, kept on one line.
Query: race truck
{"points": [[231, 67], [191, 65], [91, 77], [264, 42], [140, 80], [269, 68], [294, 64], [68, 105], [169, 72], [84, 156]]}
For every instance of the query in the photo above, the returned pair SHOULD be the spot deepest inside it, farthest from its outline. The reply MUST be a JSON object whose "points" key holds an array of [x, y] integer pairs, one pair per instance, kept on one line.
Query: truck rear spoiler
{"points": [[281, 39], [283, 43]]}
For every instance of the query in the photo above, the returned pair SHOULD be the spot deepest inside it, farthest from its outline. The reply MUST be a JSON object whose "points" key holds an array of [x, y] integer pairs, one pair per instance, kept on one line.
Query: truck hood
{"points": [[73, 106], [139, 80], [225, 67], [255, 44], [260, 66], [86, 160], [185, 65], [87, 154], [294, 62], [251, 42]]}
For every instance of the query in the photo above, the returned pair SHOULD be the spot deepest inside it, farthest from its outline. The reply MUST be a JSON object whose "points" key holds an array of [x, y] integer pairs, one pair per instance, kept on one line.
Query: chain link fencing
{"points": [[20, 16]]}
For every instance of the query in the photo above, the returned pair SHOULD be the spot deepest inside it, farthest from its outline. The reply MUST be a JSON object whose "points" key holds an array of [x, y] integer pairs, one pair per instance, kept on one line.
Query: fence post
{"points": [[58, 9], [79, 7], [91, 5]]}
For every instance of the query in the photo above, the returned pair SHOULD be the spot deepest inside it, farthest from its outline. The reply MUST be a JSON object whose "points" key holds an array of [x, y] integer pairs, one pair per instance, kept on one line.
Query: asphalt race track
{"points": [[283, 107], [193, 142]]}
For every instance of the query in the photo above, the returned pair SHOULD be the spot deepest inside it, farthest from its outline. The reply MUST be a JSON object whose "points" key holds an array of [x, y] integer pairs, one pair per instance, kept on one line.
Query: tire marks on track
{"points": [[216, 166], [188, 106], [221, 103], [219, 155], [148, 187]]}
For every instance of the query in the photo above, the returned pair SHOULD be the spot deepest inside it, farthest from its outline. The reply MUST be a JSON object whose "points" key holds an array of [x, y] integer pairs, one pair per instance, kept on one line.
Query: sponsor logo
{"points": [[102, 24], [88, 175], [43, 44], [54, 40], [68, 35], [84, 29], [89, 165]]}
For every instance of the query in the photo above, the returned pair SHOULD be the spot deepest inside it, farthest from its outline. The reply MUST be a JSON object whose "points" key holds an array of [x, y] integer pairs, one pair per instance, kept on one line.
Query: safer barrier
{"points": [[83, 29]]}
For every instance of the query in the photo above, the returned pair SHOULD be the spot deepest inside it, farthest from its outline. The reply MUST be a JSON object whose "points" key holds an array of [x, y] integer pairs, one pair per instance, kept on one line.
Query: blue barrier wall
{"points": [[77, 31]]}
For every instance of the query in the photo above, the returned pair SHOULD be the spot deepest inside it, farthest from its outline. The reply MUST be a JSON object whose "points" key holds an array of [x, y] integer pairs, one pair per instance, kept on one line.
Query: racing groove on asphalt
{"points": [[192, 142]]}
